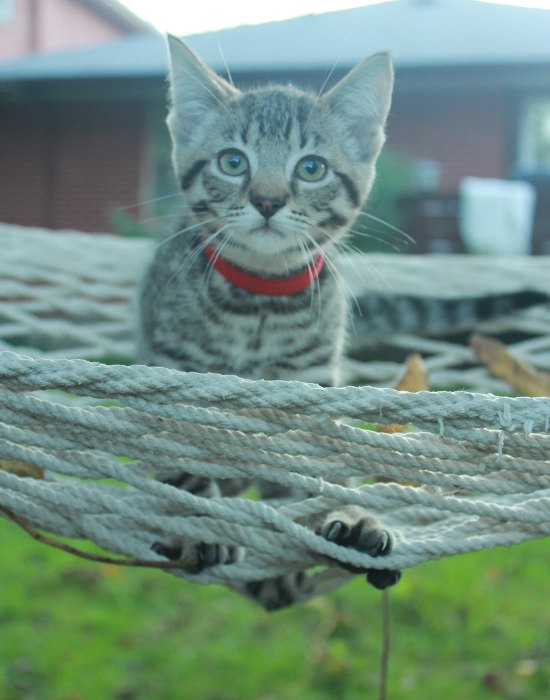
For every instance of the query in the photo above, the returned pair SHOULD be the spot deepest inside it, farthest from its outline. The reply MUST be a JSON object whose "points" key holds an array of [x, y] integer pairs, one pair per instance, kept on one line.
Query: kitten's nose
{"points": [[267, 206]]}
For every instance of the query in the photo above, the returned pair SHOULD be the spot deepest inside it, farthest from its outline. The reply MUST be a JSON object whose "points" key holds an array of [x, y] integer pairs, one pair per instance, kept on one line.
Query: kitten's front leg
{"points": [[352, 526], [349, 526], [201, 555]]}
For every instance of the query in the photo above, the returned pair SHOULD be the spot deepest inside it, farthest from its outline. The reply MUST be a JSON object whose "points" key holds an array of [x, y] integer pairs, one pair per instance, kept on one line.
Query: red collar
{"points": [[268, 286]]}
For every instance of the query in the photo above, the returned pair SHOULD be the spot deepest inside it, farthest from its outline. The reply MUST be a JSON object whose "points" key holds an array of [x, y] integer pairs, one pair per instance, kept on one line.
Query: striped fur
{"points": [[377, 318], [270, 178]]}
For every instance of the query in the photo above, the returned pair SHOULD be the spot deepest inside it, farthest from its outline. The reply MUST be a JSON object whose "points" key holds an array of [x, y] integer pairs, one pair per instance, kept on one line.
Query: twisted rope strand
{"points": [[474, 468]]}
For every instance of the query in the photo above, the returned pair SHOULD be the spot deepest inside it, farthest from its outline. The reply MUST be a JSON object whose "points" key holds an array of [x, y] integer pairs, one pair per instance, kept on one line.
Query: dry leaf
{"points": [[415, 376], [391, 428], [21, 468], [521, 376]]}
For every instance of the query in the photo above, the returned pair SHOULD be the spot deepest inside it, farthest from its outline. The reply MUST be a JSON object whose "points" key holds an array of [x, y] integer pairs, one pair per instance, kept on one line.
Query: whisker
{"points": [[356, 255], [212, 94], [199, 248], [182, 231], [217, 256], [329, 76], [335, 270], [145, 202], [159, 217], [395, 229], [345, 246], [331, 266], [382, 238], [191, 257], [320, 92], [382, 233], [313, 280], [229, 76], [230, 80]]}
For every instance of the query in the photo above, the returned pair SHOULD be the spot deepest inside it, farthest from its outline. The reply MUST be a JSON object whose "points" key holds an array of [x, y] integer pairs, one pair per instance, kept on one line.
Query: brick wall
{"points": [[53, 25], [71, 166], [22, 171], [65, 24], [467, 133]]}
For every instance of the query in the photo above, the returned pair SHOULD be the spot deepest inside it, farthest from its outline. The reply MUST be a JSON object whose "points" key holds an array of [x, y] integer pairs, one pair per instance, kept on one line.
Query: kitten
{"points": [[272, 179]]}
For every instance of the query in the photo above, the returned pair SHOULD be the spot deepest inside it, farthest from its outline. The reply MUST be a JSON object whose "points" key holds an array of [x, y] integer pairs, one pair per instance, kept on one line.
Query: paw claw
{"points": [[201, 555], [384, 544], [365, 535], [335, 531], [361, 536]]}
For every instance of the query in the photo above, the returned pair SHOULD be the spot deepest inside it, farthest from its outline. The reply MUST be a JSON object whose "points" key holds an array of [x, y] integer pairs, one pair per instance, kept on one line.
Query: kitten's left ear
{"points": [[362, 101], [195, 90]]}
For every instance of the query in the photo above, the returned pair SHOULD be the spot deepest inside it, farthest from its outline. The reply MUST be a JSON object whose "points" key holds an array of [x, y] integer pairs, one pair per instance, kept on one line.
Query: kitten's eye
{"points": [[312, 168], [233, 162]]}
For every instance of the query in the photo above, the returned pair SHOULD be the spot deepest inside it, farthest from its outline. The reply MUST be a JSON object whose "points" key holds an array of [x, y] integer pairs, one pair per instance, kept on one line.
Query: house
{"points": [[82, 134], [40, 26], [65, 144]]}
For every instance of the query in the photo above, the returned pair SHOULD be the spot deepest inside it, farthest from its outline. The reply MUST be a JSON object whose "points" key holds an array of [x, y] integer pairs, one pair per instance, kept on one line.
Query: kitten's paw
{"points": [[383, 578], [197, 485], [213, 554], [366, 535], [168, 551], [276, 593], [204, 486], [198, 557]]}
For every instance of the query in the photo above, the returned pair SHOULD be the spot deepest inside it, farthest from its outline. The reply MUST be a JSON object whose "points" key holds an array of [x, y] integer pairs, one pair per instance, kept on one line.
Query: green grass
{"points": [[471, 627]]}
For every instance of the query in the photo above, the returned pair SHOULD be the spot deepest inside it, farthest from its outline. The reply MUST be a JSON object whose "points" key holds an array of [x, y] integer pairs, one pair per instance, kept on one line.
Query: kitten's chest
{"points": [[284, 338], [201, 322], [253, 342]]}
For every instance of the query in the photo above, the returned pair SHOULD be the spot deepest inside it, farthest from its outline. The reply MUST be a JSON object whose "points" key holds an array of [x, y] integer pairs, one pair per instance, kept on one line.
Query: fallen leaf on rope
{"points": [[21, 468], [414, 378], [521, 376]]}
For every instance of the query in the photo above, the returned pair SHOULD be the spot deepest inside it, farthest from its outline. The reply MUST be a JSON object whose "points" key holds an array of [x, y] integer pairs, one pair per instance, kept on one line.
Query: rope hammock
{"points": [[471, 472]]}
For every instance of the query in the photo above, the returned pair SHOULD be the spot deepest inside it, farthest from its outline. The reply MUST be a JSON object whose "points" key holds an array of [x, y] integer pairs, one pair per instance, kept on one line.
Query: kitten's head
{"points": [[275, 173]]}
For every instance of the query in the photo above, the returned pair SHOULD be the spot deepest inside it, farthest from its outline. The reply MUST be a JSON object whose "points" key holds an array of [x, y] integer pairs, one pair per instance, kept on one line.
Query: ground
{"points": [[474, 626]]}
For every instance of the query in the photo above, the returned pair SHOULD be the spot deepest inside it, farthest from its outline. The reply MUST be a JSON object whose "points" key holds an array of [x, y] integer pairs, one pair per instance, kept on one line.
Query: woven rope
{"points": [[72, 295], [481, 464]]}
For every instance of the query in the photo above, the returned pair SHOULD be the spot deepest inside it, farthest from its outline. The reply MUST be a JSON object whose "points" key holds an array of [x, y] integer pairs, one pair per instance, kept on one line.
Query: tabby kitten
{"points": [[248, 284]]}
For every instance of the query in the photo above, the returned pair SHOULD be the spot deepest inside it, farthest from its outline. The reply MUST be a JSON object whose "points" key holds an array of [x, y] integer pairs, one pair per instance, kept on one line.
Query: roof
{"points": [[419, 33], [138, 55], [118, 15]]}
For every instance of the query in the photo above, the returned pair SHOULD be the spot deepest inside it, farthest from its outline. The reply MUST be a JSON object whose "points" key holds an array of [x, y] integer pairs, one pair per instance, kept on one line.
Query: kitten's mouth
{"points": [[266, 239], [267, 230]]}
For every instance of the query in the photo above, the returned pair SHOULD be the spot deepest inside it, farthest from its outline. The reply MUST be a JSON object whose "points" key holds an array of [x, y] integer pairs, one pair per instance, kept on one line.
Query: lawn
{"points": [[472, 627]]}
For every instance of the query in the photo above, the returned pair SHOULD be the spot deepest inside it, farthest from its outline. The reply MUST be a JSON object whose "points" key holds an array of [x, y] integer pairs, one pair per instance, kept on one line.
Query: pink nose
{"points": [[267, 206]]}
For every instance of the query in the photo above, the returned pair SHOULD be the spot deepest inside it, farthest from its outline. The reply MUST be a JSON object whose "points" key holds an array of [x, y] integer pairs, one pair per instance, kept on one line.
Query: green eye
{"points": [[312, 168], [233, 163]]}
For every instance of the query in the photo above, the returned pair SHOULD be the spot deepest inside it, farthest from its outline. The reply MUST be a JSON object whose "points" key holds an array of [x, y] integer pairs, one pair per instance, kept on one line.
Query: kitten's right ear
{"points": [[361, 100], [195, 89]]}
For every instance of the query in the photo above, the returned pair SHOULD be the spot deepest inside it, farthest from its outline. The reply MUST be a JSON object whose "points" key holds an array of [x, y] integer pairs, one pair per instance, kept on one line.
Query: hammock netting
{"points": [[470, 471]]}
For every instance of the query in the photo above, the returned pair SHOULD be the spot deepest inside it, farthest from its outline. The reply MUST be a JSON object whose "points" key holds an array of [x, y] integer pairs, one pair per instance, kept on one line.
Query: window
{"points": [[6, 11], [534, 142]]}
